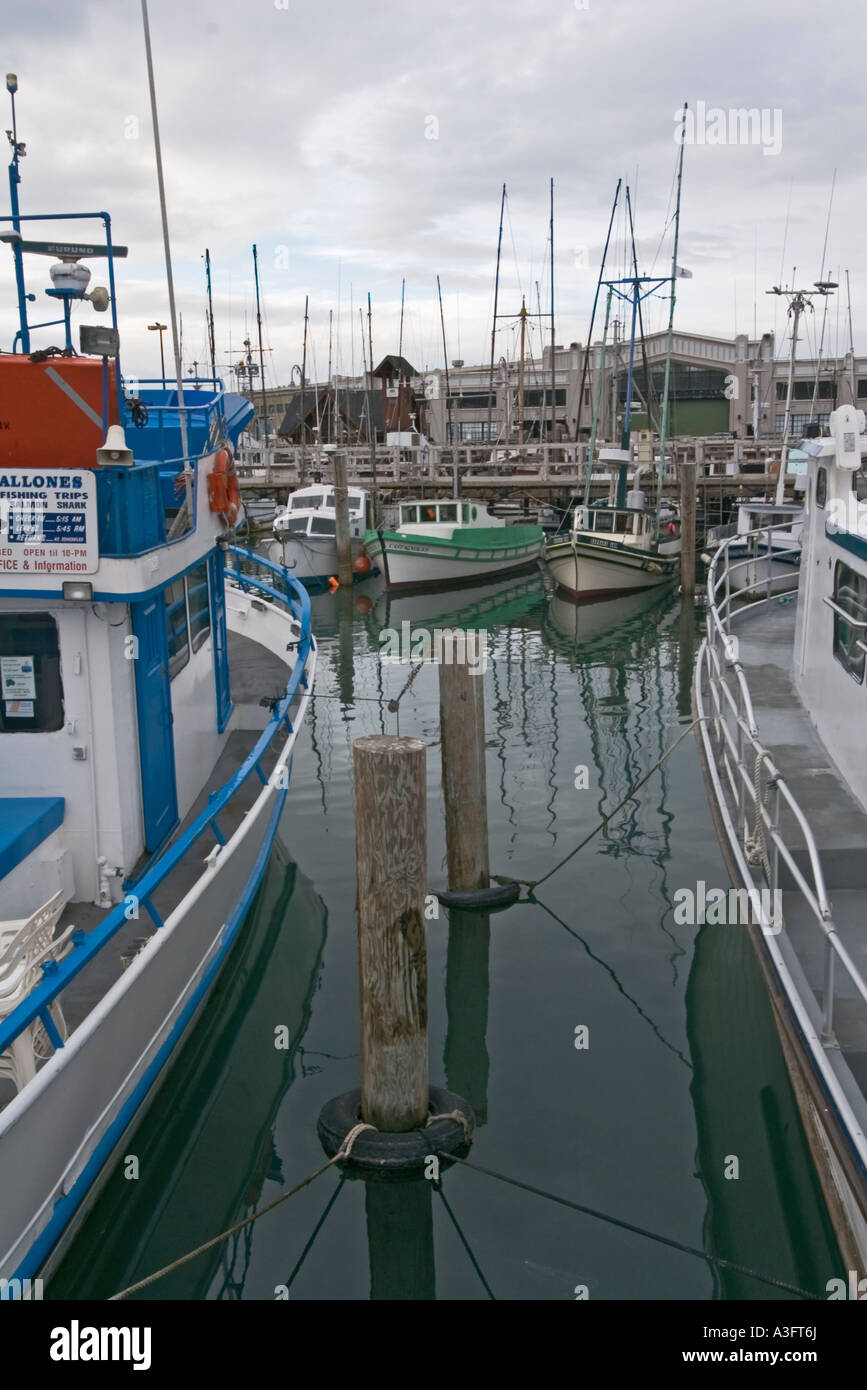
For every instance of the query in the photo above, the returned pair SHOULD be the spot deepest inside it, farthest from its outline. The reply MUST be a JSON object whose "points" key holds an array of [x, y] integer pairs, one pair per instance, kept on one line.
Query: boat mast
{"points": [[851, 342], [598, 404], [18, 152], [521, 373], [586, 364], [400, 335], [261, 349], [553, 344], [450, 421], [210, 316], [173, 317], [647, 380], [370, 427], [494, 325], [302, 418], [663, 427]]}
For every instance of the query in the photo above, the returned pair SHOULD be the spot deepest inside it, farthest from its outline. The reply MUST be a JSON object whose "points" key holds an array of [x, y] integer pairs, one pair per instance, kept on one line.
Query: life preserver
{"points": [[672, 528], [224, 489]]}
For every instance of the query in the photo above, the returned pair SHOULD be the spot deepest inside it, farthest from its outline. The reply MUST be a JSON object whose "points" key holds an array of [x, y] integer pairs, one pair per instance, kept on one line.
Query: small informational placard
{"points": [[18, 677], [19, 709], [48, 522]]}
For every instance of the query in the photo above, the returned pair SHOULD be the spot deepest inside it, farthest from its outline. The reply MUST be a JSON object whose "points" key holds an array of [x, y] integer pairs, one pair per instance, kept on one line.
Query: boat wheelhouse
{"points": [[454, 541], [306, 532], [774, 557], [781, 690], [143, 781]]}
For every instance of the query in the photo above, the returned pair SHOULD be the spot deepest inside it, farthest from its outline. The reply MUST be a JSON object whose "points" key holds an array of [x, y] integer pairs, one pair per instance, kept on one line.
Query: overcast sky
{"points": [[361, 143]]}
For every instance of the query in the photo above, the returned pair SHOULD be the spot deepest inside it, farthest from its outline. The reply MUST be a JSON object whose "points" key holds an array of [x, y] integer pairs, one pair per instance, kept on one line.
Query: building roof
{"points": [[392, 365]]}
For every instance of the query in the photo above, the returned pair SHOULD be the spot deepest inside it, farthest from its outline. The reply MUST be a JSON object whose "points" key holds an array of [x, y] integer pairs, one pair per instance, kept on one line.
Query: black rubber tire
{"points": [[394, 1155], [492, 899]]}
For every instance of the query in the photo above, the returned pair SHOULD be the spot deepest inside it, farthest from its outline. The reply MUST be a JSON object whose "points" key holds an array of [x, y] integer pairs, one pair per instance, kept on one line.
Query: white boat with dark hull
{"points": [[142, 786], [781, 688], [307, 536], [760, 561], [439, 543]]}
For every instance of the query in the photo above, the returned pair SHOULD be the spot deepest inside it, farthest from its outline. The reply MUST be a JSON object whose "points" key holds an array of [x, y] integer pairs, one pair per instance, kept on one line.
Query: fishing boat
{"points": [[616, 549], [624, 544], [438, 543], [780, 690], [143, 782], [306, 534]]}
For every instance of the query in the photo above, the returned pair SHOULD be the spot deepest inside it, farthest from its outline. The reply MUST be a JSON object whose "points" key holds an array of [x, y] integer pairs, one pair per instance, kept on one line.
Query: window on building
{"points": [[850, 594], [803, 390], [799, 423], [199, 605], [177, 626], [31, 699], [821, 486], [475, 401], [862, 387]]}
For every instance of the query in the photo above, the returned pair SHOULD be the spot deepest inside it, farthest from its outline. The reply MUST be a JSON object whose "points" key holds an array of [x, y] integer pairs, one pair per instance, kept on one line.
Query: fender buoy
{"points": [[362, 564], [492, 899], [333, 584], [224, 489]]}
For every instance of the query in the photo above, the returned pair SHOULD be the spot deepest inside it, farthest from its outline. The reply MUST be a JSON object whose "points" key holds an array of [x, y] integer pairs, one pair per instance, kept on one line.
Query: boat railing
{"points": [[86, 945], [752, 795]]}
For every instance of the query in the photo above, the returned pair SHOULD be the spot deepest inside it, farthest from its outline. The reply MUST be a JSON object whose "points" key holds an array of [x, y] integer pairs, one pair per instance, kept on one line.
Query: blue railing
{"points": [[86, 945]]}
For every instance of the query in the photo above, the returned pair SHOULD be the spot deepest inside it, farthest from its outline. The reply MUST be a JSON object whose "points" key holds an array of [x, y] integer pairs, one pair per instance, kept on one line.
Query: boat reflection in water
{"points": [[206, 1149], [489, 605]]}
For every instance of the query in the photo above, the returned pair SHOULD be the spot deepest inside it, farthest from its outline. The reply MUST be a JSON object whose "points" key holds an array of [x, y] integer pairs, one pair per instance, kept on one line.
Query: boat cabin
{"points": [[427, 516], [311, 512]]}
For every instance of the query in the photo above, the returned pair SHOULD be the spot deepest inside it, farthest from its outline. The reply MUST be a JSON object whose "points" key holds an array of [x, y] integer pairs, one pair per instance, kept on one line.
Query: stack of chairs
{"points": [[26, 944]]}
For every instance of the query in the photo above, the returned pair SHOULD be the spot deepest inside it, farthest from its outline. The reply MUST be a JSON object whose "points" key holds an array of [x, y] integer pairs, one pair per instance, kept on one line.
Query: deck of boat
{"points": [[255, 674], [837, 820]]}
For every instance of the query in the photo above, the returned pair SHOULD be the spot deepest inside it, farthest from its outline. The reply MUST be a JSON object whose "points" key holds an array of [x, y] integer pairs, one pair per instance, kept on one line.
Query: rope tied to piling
{"points": [[533, 883], [457, 1115]]}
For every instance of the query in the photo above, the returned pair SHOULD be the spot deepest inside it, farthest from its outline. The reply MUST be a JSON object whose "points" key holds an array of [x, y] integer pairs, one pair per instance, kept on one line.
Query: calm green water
{"points": [[683, 1071]]}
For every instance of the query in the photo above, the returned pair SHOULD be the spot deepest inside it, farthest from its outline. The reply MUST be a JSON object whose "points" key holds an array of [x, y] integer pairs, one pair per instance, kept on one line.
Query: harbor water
{"points": [[615, 1055]]}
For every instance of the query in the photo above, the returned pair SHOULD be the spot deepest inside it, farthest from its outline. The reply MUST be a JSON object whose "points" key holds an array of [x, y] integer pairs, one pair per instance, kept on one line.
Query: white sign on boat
{"points": [[48, 522]]}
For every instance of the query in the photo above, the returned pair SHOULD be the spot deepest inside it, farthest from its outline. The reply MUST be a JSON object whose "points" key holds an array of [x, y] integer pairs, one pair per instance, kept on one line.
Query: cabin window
{"points": [[199, 605], [177, 627], [31, 700], [409, 515], [296, 524], [307, 502], [449, 511], [321, 526], [850, 594], [859, 483], [465, 515], [821, 486]]}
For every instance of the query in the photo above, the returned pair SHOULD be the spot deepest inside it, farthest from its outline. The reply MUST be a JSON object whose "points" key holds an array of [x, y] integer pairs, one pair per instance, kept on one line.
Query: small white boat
{"points": [[306, 536], [759, 559], [450, 542]]}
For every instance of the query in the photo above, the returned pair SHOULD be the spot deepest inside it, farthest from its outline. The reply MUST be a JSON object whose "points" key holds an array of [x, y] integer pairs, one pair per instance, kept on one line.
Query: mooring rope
{"points": [[533, 883], [343, 1152], [438, 1187], [639, 1230]]}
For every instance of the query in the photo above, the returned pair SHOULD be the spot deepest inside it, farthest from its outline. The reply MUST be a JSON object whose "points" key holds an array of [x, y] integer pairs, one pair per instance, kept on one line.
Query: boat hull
{"points": [[312, 560], [60, 1131], [409, 563], [584, 570]]}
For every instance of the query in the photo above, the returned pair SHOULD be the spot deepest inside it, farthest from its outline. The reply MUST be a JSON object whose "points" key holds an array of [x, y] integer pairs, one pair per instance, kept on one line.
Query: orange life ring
{"points": [[224, 489]]}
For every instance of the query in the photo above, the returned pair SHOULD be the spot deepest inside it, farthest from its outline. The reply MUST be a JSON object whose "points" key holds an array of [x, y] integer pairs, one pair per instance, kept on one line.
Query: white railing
{"points": [[751, 793]]}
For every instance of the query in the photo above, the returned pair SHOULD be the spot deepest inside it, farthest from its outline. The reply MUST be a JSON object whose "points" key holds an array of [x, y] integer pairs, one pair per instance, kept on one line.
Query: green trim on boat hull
{"points": [[481, 538]]}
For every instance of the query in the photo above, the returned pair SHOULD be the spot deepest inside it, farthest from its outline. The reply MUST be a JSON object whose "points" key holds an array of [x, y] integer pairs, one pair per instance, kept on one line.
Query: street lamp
{"points": [[160, 328]]}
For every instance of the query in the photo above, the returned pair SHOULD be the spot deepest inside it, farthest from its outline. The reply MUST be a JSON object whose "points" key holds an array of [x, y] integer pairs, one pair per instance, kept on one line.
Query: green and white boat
{"points": [[450, 542]]}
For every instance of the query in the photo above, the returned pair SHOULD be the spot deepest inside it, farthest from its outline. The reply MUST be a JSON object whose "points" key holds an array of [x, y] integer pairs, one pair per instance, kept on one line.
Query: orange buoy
{"points": [[362, 564], [333, 584]]}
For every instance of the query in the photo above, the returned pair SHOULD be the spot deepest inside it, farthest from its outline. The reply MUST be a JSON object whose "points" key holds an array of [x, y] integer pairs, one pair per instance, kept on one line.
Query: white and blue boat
{"points": [[143, 776]]}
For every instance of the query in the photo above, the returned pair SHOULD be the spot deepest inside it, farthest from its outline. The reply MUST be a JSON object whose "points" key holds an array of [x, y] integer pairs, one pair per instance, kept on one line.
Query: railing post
{"points": [[828, 1000]]}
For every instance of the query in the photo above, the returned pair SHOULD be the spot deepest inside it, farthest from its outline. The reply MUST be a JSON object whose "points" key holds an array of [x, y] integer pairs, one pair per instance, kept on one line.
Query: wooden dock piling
{"points": [[462, 737], [391, 878], [341, 522], [687, 472]]}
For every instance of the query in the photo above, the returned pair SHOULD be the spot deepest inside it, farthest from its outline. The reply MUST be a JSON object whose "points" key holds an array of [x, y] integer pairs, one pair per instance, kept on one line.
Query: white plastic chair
{"points": [[25, 943]]}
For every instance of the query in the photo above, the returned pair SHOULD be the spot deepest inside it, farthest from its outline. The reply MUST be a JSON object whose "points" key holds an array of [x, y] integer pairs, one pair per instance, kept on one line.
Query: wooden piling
{"points": [[341, 522], [391, 879], [687, 528], [462, 740]]}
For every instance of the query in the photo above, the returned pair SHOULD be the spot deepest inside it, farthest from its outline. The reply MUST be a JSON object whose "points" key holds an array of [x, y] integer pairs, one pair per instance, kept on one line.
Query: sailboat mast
{"points": [[400, 336], [553, 343], [663, 427], [450, 422], [173, 317], [261, 349], [521, 373], [494, 325], [210, 315], [586, 364], [598, 403]]}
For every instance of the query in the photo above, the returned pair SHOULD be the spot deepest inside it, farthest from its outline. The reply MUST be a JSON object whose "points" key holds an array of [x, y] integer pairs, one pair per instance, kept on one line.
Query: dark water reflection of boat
{"points": [[206, 1149]]}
